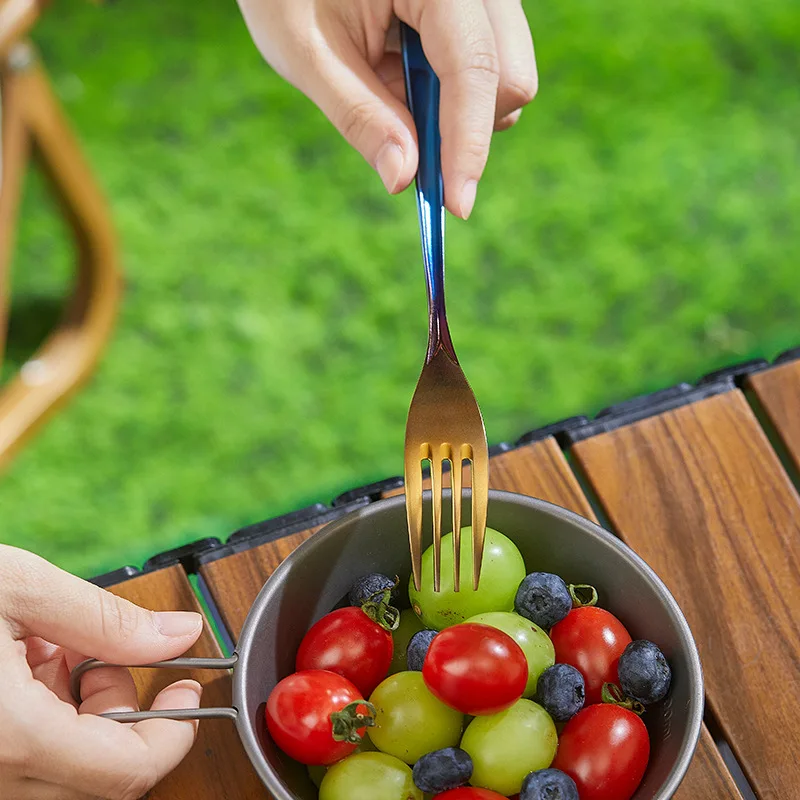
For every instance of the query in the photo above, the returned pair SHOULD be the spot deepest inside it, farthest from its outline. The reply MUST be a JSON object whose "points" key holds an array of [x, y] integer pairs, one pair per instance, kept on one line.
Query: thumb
{"points": [[364, 110], [39, 599]]}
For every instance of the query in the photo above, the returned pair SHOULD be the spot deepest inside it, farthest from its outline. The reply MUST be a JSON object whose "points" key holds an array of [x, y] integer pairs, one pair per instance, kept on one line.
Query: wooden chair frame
{"points": [[33, 124]]}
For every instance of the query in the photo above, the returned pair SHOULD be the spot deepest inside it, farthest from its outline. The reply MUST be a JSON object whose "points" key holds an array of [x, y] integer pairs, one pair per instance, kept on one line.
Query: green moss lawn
{"points": [[639, 227]]}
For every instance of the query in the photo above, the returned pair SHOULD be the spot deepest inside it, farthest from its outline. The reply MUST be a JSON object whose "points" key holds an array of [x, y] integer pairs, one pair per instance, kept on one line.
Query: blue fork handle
{"points": [[422, 91]]}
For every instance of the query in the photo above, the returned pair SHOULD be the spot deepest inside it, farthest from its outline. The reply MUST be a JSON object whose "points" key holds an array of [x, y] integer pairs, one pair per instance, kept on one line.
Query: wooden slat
{"points": [[700, 494], [707, 777], [237, 579], [778, 391], [217, 765], [539, 470]]}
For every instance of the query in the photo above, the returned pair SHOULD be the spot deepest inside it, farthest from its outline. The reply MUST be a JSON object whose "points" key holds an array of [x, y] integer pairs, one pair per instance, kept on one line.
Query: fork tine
{"points": [[436, 505], [413, 484], [456, 467], [480, 500]]}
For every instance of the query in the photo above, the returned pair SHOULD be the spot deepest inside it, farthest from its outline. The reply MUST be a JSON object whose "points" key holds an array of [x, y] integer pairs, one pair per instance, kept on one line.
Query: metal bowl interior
{"points": [[319, 573]]}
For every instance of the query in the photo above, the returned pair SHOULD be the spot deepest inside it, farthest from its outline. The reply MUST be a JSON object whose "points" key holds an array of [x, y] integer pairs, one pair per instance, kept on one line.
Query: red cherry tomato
{"points": [[349, 643], [475, 669], [591, 640], [469, 793], [299, 712], [604, 749]]}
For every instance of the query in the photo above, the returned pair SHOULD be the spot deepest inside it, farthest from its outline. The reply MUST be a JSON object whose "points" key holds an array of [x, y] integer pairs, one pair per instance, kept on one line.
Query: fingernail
{"points": [[195, 688], [468, 192], [390, 165], [177, 623], [186, 694]]}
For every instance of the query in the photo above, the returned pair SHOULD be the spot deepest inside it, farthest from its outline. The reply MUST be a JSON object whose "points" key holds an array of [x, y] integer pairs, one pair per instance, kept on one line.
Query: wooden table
{"points": [[697, 479]]}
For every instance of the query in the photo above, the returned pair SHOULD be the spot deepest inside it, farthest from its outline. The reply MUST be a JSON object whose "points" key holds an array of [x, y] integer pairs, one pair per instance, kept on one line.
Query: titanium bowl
{"points": [[319, 573]]}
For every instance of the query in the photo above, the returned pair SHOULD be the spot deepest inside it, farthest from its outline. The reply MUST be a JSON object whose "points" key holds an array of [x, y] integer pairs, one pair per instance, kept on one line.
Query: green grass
{"points": [[638, 227]]}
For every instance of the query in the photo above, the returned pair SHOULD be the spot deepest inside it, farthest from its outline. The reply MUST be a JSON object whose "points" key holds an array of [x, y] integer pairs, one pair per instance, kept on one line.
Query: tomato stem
{"points": [[347, 722], [583, 594], [614, 695], [379, 609]]}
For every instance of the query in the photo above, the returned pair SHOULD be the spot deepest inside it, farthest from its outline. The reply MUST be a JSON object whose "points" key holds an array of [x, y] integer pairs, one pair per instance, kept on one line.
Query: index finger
{"points": [[459, 43]]}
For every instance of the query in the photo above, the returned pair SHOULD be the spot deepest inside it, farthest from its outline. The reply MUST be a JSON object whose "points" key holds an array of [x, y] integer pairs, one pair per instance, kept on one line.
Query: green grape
{"points": [[502, 572], [535, 643], [505, 747], [410, 720], [367, 776], [317, 773], [409, 625]]}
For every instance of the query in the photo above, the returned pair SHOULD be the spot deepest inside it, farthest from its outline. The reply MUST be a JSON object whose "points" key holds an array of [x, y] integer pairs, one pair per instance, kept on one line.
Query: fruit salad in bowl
{"points": [[527, 687], [569, 673]]}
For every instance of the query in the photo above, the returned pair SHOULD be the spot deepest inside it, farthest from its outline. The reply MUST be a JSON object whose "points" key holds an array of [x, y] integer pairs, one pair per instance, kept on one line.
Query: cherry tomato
{"points": [[475, 669], [299, 716], [469, 793], [349, 643], [591, 640], [604, 749]]}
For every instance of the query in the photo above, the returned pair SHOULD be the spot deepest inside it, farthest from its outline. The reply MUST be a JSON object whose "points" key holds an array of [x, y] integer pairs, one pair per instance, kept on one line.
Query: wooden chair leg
{"points": [[15, 152], [66, 359]]}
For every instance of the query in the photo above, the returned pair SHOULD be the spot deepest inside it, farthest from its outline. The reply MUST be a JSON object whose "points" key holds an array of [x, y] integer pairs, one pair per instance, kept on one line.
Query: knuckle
{"points": [[484, 62], [475, 148], [354, 119], [118, 618], [19, 570], [519, 88]]}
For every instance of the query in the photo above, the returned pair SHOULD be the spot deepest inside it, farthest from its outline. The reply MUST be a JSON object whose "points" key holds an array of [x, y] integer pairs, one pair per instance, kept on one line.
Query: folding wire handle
{"points": [[174, 713]]}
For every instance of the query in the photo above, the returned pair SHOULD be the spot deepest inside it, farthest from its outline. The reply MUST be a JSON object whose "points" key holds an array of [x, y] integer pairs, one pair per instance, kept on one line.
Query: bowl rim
{"points": [[697, 693]]}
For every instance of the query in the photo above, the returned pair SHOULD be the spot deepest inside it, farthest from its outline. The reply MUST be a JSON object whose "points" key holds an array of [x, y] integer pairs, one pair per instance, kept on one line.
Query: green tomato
{"points": [[502, 572], [410, 721], [366, 776], [505, 747], [409, 625], [535, 643]]}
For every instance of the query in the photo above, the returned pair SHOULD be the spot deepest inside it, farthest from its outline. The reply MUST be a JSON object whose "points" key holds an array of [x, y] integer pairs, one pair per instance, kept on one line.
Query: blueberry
{"points": [[543, 598], [442, 770], [561, 691], [548, 784], [644, 673], [418, 648], [369, 586]]}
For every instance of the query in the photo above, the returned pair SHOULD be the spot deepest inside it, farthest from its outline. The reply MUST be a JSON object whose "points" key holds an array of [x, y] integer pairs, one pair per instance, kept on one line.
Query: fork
{"points": [[444, 421]]}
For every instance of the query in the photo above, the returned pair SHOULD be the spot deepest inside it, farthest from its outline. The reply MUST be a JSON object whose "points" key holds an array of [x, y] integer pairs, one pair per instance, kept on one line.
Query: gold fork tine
{"points": [[413, 481], [436, 506], [455, 483], [480, 499]]}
